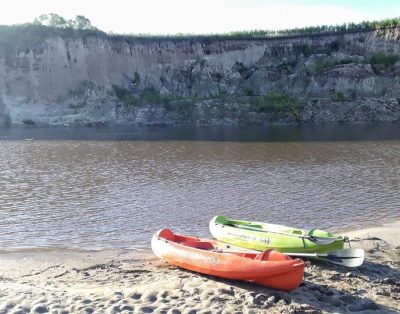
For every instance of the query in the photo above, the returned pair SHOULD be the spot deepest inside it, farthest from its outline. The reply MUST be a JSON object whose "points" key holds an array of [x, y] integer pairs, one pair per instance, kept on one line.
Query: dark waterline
{"points": [[327, 132]]}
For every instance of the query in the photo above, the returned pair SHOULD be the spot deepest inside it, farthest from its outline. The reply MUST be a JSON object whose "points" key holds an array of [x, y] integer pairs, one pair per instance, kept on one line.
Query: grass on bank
{"points": [[149, 95], [275, 101]]}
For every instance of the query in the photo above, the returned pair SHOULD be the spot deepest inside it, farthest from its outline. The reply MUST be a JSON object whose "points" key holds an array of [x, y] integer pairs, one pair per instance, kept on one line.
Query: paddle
{"points": [[317, 240], [345, 257]]}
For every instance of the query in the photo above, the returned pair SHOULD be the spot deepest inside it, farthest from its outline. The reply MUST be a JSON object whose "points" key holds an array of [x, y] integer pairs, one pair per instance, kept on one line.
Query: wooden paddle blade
{"points": [[345, 257]]}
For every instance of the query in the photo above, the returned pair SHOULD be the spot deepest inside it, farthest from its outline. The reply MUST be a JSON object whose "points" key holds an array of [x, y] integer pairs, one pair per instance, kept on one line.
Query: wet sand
{"points": [[128, 282]]}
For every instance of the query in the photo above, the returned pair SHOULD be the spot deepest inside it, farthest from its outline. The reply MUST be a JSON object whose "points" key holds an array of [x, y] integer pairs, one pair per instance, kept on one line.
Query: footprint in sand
{"points": [[146, 309], [40, 308], [135, 296], [162, 294], [149, 297], [128, 308]]}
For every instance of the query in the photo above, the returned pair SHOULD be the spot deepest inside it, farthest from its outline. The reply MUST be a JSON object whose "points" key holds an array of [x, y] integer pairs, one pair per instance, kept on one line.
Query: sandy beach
{"points": [[129, 282]]}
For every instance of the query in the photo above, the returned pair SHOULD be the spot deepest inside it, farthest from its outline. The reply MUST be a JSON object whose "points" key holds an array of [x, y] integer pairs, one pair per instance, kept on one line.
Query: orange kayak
{"points": [[269, 268]]}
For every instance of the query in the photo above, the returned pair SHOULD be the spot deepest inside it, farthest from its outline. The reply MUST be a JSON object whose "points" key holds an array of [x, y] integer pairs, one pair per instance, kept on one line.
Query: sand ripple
{"points": [[117, 283]]}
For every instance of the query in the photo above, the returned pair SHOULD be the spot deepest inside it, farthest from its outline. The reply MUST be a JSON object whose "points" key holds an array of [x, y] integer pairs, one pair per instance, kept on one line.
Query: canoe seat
{"points": [[202, 245], [263, 256], [166, 234], [254, 226], [271, 255]]}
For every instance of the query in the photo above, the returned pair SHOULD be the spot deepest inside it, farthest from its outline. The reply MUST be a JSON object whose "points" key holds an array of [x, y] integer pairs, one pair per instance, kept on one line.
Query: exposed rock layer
{"points": [[98, 80]]}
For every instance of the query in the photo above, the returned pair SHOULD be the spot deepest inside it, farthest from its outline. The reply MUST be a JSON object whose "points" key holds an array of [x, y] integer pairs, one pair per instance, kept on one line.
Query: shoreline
{"points": [[126, 281], [343, 132]]}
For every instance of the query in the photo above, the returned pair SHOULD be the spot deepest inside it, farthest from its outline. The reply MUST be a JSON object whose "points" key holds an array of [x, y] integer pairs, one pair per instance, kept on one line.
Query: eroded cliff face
{"points": [[101, 80]]}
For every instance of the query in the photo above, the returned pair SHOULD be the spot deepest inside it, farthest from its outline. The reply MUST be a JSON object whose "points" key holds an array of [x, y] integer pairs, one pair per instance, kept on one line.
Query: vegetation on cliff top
{"points": [[54, 25], [260, 34]]}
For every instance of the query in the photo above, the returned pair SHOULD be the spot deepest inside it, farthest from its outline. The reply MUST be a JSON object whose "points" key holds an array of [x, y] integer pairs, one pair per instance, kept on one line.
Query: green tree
{"points": [[52, 20], [82, 22], [55, 20]]}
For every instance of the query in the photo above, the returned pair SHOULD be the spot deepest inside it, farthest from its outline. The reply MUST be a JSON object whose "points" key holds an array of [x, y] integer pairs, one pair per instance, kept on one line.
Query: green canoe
{"points": [[261, 236]]}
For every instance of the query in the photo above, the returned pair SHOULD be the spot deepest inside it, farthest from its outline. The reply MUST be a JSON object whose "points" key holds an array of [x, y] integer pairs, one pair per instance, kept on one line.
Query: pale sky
{"points": [[201, 16]]}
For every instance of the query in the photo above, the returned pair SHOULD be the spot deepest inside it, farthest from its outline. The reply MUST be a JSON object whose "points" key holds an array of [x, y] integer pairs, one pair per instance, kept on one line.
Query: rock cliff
{"points": [[97, 79]]}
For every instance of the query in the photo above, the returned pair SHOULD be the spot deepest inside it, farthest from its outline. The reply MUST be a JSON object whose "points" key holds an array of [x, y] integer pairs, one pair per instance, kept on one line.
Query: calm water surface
{"points": [[99, 188]]}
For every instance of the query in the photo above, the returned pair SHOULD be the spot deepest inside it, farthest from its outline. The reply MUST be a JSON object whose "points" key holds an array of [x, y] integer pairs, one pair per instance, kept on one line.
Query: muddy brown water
{"points": [[104, 189]]}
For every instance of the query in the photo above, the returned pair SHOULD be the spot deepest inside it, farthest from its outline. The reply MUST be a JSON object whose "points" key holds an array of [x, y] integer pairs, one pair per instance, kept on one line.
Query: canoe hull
{"points": [[260, 240], [276, 270]]}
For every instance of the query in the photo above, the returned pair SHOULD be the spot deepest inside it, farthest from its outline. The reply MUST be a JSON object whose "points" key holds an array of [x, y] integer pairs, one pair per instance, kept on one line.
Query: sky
{"points": [[201, 16]]}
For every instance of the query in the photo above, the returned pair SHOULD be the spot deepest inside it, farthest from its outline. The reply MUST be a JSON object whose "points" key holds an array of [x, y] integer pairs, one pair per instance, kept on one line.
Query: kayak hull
{"points": [[261, 236], [269, 268]]}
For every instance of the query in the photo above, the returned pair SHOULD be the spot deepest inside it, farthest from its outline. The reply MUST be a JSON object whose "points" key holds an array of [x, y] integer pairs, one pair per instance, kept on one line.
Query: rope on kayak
{"points": [[347, 240], [304, 242]]}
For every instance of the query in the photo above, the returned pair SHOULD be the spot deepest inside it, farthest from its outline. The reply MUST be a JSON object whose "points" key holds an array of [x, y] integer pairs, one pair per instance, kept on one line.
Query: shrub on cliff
{"points": [[324, 64], [383, 58], [124, 95], [149, 95], [274, 102]]}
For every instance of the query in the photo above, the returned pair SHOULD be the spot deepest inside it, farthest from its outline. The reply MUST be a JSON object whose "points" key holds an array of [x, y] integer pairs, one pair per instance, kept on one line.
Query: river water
{"points": [[105, 189]]}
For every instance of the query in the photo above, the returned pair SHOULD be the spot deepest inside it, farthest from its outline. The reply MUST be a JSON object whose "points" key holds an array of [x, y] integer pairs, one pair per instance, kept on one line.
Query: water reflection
{"points": [[328, 132]]}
